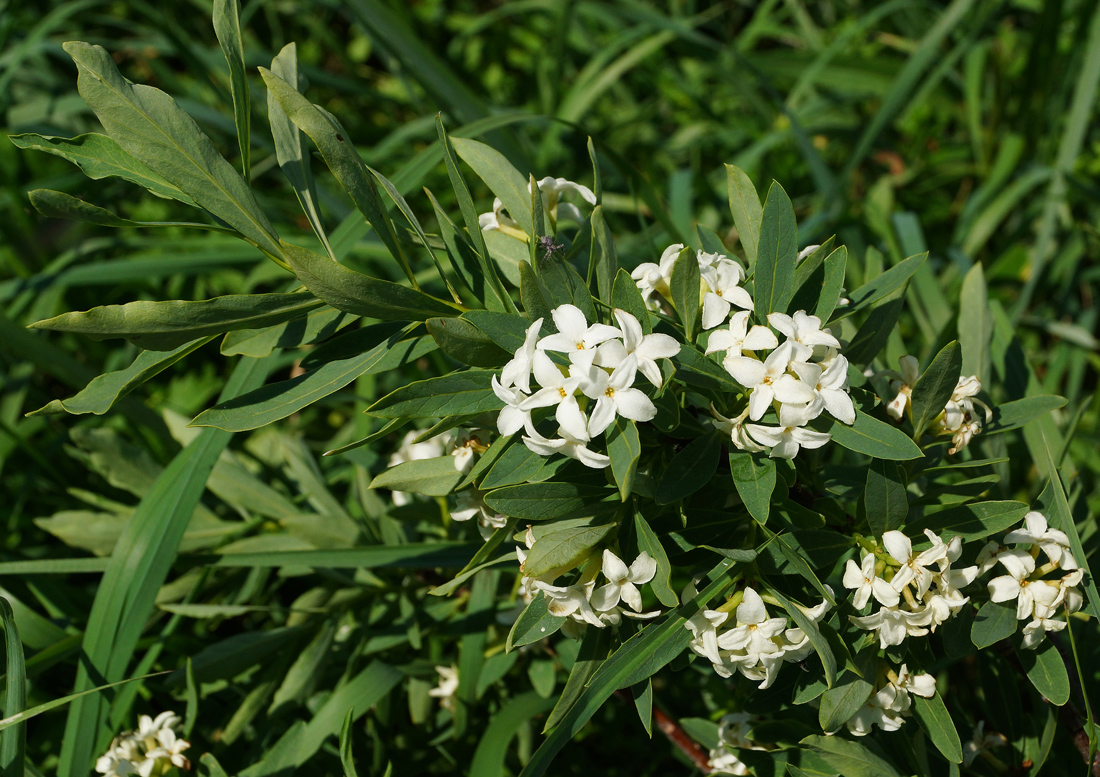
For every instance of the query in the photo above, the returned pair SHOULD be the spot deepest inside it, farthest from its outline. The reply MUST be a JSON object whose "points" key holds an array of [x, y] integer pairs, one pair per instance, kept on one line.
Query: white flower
{"points": [[113, 764], [414, 451], [470, 504], [1053, 542], [464, 445], [914, 568], [789, 437], [569, 446], [1019, 564], [922, 684], [1035, 632], [724, 288], [152, 749], [768, 380], [704, 628], [512, 416], [865, 582], [171, 748], [517, 372], [571, 601], [614, 397], [558, 389], [803, 331], [448, 685], [893, 624], [650, 277], [643, 350], [623, 582], [738, 338], [883, 709], [830, 384], [722, 761], [497, 220], [552, 190], [575, 337], [902, 386], [981, 742]]}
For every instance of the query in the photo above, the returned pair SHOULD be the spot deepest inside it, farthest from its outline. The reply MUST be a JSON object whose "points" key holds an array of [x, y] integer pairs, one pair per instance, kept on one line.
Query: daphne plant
{"points": [[716, 419]]}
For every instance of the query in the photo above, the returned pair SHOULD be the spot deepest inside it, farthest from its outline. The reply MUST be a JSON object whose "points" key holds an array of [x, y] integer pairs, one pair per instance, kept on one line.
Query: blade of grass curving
{"points": [[53, 704], [13, 741], [227, 26], [492, 748], [148, 124], [138, 567], [1064, 516], [639, 658], [289, 149]]}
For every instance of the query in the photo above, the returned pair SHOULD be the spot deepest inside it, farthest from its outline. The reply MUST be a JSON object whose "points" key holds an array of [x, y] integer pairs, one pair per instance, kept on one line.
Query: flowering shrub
{"points": [[697, 460]]}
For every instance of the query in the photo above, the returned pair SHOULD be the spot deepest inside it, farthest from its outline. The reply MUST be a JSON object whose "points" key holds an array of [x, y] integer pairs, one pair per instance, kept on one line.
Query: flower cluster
{"points": [[916, 591], [959, 418], [888, 706], [470, 504], [598, 365], [584, 603], [463, 445], [750, 643], [150, 751], [733, 731], [552, 190], [1036, 598]]}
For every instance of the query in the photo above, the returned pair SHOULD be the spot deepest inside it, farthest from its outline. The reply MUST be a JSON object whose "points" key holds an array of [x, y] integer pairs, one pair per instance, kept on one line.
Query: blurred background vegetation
{"points": [[967, 129]]}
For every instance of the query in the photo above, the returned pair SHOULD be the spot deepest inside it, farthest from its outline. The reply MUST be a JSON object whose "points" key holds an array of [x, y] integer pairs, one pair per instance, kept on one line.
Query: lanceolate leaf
{"points": [[625, 296], [501, 177], [935, 386], [624, 450], [459, 393], [464, 342], [13, 739], [533, 624], [431, 477], [884, 497], [278, 400], [690, 469], [774, 272], [754, 479], [58, 205], [560, 549], [227, 26], [351, 291], [165, 326], [1020, 412], [971, 522], [746, 211], [936, 720], [149, 125], [98, 156], [685, 291], [105, 390], [1046, 670], [881, 286], [873, 437], [545, 501]]}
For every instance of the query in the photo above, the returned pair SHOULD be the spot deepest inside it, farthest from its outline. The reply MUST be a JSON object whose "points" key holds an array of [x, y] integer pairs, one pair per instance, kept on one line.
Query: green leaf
{"points": [[1046, 670], [975, 325], [754, 479], [746, 211], [935, 386], [507, 330], [466, 343], [290, 148], [470, 218], [774, 273], [690, 469], [934, 718], [993, 623], [517, 464], [684, 285], [881, 287], [105, 390], [501, 177], [873, 437], [58, 205], [460, 393], [810, 629], [595, 645], [533, 624], [13, 740], [696, 369], [342, 159], [971, 522], [545, 501], [149, 125], [648, 542], [850, 758], [624, 450], [351, 291], [558, 549], [315, 326], [534, 294], [884, 497], [602, 257], [347, 758], [384, 348], [626, 296], [25, 715], [841, 702], [431, 477], [1021, 412], [836, 265], [165, 326], [492, 749], [98, 157], [227, 27], [871, 337]]}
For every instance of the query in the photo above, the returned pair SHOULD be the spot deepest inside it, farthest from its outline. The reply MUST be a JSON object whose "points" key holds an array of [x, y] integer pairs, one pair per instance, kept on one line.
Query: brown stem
{"points": [[676, 734]]}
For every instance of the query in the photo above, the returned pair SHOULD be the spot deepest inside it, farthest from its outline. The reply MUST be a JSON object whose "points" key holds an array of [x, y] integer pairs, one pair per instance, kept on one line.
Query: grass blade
{"points": [[13, 741]]}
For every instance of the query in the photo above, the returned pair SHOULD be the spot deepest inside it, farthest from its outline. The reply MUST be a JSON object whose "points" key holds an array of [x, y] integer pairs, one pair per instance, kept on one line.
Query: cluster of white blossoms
{"points": [[463, 445], [916, 591], [733, 731], [589, 385], [749, 642], [150, 751], [959, 417], [552, 190], [583, 602], [800, 378], [1037, 598], [888, 706]]}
